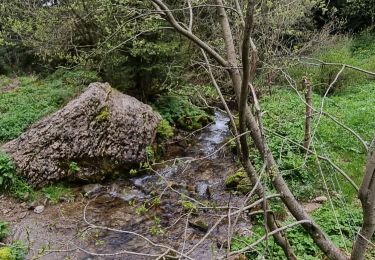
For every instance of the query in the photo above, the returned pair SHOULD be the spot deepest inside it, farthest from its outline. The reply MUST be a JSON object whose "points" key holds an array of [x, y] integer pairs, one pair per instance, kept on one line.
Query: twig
{"points": [[250, 247]]}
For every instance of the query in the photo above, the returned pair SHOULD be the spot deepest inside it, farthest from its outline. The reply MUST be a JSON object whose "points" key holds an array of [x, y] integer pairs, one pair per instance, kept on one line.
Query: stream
{"points": [[168, 207]]}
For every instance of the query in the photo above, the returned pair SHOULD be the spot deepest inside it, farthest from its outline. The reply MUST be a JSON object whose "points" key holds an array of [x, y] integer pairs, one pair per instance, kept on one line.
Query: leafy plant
{"points": [[156, 229], [10, 182], [16, 251], [4, 229], [348, 216], [7, 172], [189, 206], [150, 154], [74, 167], [141, 210]]}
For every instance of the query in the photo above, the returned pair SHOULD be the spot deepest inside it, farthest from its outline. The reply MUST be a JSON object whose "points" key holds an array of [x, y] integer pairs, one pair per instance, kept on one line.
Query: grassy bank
{"points": [[351, 102]]}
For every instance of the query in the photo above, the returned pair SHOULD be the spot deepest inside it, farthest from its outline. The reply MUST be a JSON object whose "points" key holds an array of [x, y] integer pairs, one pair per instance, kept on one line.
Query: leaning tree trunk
{"points": [[367, 197]]}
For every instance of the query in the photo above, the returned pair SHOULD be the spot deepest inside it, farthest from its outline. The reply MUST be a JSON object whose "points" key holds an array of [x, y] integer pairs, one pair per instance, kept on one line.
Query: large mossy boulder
{"points": [[99, 133]]}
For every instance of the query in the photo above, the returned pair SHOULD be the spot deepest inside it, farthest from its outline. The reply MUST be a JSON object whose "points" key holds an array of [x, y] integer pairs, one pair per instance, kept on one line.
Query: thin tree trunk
{"points": [[367, 197], [308, 97], [241, 85]]}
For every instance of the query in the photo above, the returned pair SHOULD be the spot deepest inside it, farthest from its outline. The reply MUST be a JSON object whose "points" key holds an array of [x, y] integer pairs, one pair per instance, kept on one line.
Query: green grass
{"points": [[285, 116], [352, 103], [55, 193], [35, 98], [358, 52], [348, 221]]}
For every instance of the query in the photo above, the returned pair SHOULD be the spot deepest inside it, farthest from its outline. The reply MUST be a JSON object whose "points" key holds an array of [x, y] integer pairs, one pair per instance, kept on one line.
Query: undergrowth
{"points": [[358, 52], [340, 226], [10, 182], [284, 124]]}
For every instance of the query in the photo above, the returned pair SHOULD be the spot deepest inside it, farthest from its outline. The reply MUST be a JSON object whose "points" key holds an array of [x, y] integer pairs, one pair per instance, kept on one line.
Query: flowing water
{"points": [[150, 205]]}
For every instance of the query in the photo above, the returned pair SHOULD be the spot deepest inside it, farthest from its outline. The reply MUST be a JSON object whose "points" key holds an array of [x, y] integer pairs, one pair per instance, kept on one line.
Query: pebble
{"points": [[203, 189], [39, 209]]}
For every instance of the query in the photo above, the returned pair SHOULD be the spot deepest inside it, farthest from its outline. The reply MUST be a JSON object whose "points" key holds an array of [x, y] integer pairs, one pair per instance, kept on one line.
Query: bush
{"points": [[77, 77], [7, 172], [358, 52], [16, 251]]}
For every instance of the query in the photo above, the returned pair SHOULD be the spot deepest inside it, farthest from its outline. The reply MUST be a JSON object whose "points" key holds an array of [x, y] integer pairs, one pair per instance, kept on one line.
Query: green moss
{"points": [[182, 113], [103, 114], [238, 182], [6, 253], [164, 130]]}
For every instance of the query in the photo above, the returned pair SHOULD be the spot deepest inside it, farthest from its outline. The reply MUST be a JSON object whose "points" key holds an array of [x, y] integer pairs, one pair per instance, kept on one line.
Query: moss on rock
{"points": [[238, 182]]}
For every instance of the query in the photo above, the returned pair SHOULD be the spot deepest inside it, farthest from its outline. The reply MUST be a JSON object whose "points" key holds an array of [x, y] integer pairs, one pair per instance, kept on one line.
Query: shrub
{"points": [[7, 172], [358, 52], [16, 251], [77, 77]]}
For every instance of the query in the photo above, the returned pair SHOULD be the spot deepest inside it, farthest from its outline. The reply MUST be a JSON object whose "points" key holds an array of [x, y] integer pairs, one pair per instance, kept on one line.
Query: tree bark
{"points": [[308, 116], [367, 197]]}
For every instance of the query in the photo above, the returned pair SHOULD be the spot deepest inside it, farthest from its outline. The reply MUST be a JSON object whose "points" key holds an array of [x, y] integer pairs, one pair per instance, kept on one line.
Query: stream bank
{"points": [[175, 206]]}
